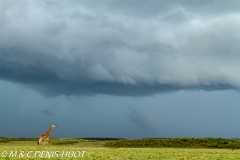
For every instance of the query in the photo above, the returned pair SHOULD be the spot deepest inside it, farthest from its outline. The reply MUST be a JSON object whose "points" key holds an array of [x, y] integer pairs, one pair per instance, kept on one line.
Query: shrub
{"points": [[177, 143]]}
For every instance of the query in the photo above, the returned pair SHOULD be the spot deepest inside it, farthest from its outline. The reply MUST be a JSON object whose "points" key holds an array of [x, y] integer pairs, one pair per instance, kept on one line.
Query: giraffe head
{"points": [[54, 126]]}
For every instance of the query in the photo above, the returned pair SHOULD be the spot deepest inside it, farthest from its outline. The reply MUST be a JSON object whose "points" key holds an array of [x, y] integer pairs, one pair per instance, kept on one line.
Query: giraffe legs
{"points": [[48, 141], [48, 144], [41, 143], [44, 144]]}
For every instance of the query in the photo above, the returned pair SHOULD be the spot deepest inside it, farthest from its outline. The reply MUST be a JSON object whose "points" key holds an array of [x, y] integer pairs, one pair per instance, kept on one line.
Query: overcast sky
{"points": [[112, 68]]}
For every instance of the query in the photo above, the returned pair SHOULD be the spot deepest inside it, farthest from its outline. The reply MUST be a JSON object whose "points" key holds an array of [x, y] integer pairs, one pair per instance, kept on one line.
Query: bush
{"points": [[176, 143], [3, 140]]}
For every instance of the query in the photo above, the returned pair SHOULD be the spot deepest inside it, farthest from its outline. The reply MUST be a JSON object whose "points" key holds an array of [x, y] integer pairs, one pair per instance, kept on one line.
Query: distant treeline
{"points": [[176, 143], [59, 140], [102, 139], [144, 143], [4, 139]]}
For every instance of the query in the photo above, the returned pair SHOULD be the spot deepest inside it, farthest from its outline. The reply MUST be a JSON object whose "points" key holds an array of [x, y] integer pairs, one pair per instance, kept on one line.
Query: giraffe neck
{"points": [[49, 131]]}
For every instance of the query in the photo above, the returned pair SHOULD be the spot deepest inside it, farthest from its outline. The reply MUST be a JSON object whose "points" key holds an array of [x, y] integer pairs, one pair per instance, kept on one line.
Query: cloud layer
{"points": [[120, 47]]}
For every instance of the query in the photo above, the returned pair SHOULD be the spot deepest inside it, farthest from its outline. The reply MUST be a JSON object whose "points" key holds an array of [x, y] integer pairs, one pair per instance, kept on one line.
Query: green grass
{"points": [[94, 150]]}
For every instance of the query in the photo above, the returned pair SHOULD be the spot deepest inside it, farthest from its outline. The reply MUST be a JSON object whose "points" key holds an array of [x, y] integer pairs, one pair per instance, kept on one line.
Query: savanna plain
{"points": [[94, 149]]}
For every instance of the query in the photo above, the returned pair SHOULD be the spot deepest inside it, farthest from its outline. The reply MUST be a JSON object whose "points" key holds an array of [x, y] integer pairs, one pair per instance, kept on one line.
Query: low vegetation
{"points": [[64, 141], [176, 143], [142, 143], [122, 149], [4, 140]]}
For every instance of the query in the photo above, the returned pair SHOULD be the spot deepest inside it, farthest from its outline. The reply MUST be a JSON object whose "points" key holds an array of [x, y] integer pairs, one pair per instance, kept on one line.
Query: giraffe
{"points": [[45, 137]]}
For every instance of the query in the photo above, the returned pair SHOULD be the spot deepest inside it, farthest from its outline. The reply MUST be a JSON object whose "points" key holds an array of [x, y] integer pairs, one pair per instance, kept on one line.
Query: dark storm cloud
{"points": [[123, 48]]}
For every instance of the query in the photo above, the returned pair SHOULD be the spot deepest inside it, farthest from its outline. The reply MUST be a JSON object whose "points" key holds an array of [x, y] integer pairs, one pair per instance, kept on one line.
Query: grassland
{"points": [[93, 149]]}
